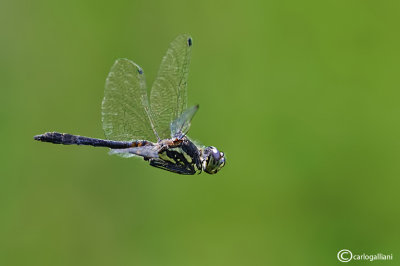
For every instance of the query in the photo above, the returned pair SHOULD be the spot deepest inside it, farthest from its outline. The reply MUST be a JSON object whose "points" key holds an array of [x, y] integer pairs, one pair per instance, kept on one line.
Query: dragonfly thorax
{"points": [[179, 156]]}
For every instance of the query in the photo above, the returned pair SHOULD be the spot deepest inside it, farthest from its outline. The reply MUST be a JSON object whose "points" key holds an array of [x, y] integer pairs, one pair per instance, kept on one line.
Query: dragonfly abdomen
{"points": [[140, 143], [68, 139]]}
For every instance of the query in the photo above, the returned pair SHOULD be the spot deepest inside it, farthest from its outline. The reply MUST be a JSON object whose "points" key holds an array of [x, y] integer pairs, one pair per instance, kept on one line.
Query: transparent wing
{"points": [[144, 151], [168, 95], [125, 108], [181, 125]]}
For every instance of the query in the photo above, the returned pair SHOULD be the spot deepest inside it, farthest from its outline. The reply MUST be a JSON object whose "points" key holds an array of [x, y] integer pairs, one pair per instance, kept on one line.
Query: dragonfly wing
{"points": [[168, 97], [144, 151], [125, 109], [181, 125]]}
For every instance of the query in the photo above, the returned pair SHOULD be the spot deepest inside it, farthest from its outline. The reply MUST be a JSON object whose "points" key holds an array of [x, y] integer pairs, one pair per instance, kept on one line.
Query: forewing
{"points": [[125, 108], [181, 125], [168, 97]]}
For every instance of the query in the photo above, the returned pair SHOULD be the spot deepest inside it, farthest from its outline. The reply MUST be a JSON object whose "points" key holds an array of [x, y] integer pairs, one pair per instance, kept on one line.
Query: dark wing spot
{"points": [[189, 41], [140, 71]]}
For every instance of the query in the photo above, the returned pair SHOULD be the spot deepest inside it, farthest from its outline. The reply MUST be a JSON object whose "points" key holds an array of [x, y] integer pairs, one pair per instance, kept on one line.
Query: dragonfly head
{"points": [[213, 160]]}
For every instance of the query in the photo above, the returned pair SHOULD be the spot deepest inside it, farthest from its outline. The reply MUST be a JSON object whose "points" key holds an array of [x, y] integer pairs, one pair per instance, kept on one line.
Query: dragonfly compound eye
{"points": [[214, 160], [216, 154]]}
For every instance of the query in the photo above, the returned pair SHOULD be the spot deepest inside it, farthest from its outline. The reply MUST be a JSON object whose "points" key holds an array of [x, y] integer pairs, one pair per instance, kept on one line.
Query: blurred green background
{"points": [[302, 96]]}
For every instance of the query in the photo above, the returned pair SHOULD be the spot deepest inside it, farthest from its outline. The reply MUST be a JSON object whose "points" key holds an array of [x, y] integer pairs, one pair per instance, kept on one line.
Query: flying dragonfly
{"points": [[156, 128]]}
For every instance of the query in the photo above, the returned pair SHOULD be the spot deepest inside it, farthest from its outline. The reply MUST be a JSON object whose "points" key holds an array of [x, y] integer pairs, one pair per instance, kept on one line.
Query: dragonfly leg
{"points": [[175, 168]]}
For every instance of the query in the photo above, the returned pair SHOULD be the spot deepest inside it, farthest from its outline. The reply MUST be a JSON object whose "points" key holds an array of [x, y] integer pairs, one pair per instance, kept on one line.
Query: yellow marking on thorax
{"points": [[164, 156]]}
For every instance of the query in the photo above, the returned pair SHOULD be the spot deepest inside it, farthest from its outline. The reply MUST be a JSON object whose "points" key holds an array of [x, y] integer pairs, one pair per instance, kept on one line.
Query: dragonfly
{"points": [[154, 128]]}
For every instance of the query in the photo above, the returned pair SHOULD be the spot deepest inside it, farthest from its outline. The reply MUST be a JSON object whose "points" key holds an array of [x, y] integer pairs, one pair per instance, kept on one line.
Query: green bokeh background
{"points": [[302, 96]]}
